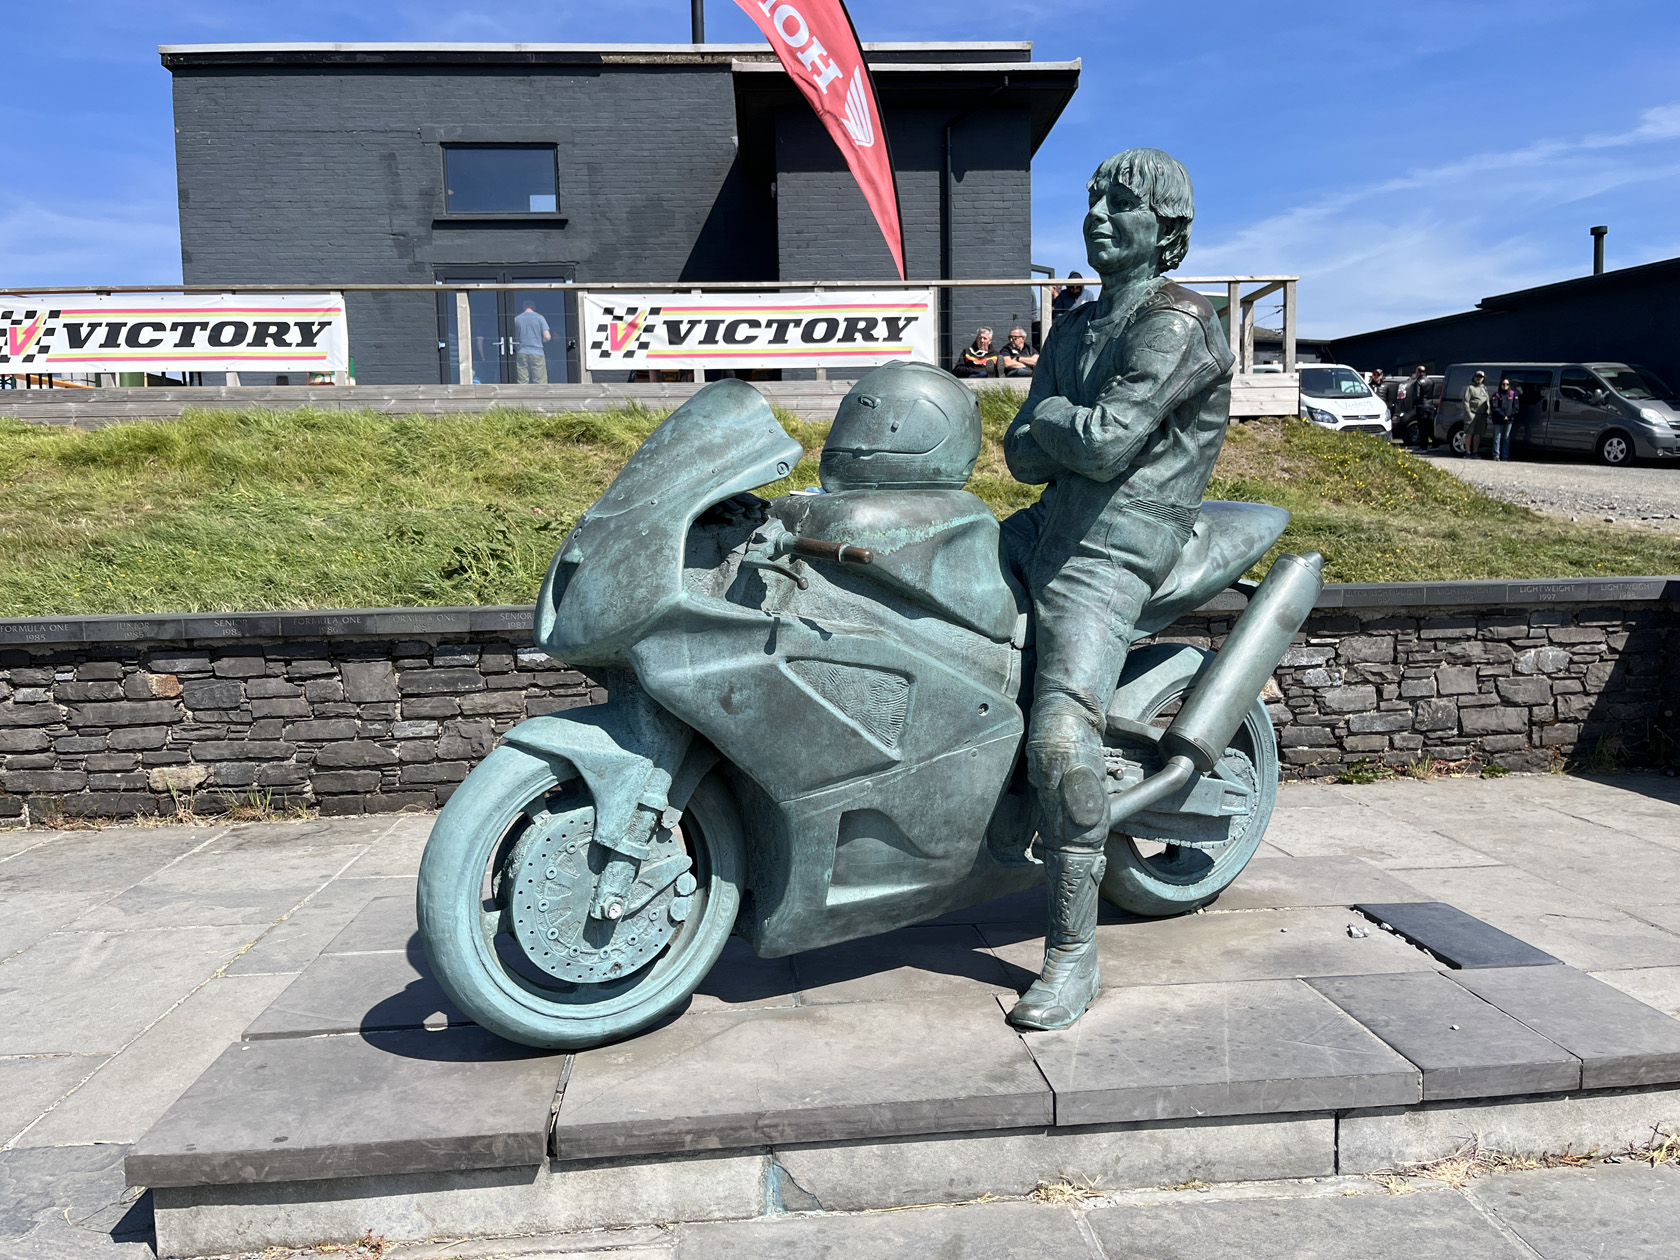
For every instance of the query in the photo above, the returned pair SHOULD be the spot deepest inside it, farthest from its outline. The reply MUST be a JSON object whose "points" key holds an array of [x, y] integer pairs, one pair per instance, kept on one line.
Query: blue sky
{"points": [[1405, 160]]}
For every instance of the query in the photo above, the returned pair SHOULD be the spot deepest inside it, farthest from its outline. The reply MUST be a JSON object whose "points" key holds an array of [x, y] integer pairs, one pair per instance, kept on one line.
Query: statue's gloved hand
{"points": [[1027, 461], [1052, 416]]}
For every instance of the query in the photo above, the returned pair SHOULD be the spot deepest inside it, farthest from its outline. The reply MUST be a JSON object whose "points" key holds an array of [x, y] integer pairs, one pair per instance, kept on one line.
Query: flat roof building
{"points": [[662, 164], [1625, 316]]}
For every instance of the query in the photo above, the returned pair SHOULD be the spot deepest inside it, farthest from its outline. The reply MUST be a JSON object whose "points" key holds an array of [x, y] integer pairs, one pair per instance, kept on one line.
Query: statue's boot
{"points": [[1069, 979]]}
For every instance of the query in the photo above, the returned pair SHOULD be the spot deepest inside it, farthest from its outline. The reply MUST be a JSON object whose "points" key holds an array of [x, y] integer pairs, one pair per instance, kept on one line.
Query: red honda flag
{"points": [[818, 47]]}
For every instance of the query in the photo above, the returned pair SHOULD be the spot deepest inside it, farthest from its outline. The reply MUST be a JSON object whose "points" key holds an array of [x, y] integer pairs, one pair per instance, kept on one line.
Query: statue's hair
{"points": [[1162, 185]]}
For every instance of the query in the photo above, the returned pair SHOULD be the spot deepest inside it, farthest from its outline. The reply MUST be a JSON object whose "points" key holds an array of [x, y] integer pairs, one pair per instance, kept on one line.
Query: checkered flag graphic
{"points": [[26, 335], [601, 346]]}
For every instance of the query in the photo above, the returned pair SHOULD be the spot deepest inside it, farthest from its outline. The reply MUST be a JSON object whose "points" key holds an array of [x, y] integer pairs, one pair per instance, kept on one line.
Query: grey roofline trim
{"points": [[187, 50], [942, 67], [515, 619]]}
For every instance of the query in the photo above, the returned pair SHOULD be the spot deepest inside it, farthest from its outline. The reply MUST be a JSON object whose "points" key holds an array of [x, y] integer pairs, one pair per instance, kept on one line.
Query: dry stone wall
{"points": [[351, 726], [388, 710], [1525, 689]]}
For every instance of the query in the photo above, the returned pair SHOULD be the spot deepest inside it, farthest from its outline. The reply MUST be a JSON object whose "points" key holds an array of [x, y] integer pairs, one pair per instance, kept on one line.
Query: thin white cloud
{"points": [[1439, 238]]}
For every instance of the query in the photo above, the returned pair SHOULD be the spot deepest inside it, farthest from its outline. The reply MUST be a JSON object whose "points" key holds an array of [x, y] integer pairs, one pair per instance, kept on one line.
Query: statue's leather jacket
{"points": [[1135, 411]]}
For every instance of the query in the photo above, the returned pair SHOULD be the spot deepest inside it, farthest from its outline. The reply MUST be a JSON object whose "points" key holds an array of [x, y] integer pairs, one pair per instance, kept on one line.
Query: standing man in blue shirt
{"points": [[530, 330]]}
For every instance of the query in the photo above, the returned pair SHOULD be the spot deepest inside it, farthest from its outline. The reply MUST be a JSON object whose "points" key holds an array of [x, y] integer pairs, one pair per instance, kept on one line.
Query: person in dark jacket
{"points": [[979, 359], [1506, 403], [1067, 297]]}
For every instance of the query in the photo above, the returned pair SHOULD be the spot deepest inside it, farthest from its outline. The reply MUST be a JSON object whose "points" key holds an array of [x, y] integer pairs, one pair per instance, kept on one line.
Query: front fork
{"points": [[628, 823]]}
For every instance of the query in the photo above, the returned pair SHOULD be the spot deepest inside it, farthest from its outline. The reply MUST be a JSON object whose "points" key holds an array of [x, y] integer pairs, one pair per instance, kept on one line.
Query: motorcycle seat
{"points": [[938, 548], [1229, 540]]}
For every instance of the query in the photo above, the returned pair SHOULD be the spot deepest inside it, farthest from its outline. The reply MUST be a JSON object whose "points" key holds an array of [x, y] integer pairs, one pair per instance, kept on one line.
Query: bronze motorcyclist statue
{"points": [[1124, 421], [816, 723]]}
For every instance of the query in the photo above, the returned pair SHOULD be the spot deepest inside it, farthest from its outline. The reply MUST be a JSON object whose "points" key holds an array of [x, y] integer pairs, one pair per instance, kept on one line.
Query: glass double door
{"points": [[515, 336]]}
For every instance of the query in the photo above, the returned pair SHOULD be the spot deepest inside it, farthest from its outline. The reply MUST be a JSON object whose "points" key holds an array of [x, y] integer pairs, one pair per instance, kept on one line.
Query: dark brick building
{"points": [[326, 163]]}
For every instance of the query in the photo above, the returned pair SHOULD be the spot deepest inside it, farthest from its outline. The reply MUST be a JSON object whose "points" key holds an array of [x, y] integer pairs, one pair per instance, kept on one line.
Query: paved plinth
{"points": [[383, 1103], [1268, 1046], [839, 1071], [1619, 1040], [869, 1075], [1464, 1047]]}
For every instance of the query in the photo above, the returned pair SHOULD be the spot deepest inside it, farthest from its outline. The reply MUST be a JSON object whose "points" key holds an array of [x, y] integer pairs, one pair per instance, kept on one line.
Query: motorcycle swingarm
{"points": [[1217, 795]]}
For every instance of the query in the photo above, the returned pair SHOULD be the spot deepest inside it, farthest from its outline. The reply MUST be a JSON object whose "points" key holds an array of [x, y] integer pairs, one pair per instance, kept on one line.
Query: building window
{"points": [[499, 179]]}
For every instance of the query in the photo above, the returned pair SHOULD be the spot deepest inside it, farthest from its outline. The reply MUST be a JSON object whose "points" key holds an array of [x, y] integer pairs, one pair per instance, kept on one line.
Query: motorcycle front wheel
{"points": [[508, 869], [1151, 875]]}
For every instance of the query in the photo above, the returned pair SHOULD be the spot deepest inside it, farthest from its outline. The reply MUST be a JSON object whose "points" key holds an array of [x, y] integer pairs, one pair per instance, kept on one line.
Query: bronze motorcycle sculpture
{"points": [[812, 733]]}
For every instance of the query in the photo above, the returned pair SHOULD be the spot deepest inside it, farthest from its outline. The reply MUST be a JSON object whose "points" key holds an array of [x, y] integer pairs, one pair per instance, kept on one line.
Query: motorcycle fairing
{"points": [[802, 704], [1229, 540], [620, 569], [898, 848], [939, 548]]}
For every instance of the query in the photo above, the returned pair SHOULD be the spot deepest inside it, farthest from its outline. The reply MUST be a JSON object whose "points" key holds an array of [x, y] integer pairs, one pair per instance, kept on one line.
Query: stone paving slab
{"points": [[341, 993], [297, 940], [1566, 921], [1619, 1040], [1277, 883], [1464, 1047], [1654, 986], [1460, 939], [1012, 1231], [1213, 946], [1367, 1226], [718, 1080], [741, 979], [309, 1108], [126, 1096], [384, 924], [1626, 1211], [28, 1086], [114, 985], [373, 975], [909, 963], [1224, 1049]]}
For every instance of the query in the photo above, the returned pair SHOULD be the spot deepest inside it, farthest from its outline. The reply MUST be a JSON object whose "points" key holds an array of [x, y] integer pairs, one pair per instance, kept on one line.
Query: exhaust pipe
{"points": [[1209, 718]]}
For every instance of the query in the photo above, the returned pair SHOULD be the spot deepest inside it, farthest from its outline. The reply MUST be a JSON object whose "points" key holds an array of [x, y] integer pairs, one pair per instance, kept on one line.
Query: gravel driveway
{"points": [[1645, 496]]}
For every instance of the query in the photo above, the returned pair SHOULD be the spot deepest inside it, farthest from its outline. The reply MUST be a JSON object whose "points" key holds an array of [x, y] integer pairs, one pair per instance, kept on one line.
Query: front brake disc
{"points": [[550, 881]]}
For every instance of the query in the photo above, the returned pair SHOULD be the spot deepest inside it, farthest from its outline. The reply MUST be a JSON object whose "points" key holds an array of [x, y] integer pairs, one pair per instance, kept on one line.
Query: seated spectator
{"points": [[1065, 297], [1017, 358], [979, 359]]}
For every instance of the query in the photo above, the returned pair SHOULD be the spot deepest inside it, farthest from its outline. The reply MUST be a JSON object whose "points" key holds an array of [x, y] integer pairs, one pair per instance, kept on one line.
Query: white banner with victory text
{"points": [[154, 332], [863, 327]]}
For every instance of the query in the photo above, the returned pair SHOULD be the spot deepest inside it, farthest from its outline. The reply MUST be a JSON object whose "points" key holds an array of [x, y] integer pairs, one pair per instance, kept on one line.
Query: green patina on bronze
{"points": [[815, 729]]}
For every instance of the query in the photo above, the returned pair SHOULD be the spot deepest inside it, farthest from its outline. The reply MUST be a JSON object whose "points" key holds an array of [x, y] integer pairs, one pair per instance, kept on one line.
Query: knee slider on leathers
{"points": [[1065, 765]]}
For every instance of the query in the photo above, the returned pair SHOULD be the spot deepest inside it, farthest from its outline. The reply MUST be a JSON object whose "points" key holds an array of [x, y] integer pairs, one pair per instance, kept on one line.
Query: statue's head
{"points": [[907, 426], [1141, 208]]}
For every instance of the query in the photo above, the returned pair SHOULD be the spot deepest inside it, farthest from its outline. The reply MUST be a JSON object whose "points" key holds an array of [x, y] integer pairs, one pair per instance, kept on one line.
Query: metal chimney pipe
{"points": [[697, 10], [1597, 235]]}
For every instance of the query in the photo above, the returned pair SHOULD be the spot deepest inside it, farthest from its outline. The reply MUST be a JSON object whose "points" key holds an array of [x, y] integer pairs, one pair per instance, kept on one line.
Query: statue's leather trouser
{"points": [[1086, 596]]}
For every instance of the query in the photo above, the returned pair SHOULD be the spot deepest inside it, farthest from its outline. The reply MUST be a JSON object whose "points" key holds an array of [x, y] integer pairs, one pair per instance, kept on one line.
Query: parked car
{"points": [[1618, 412], [1335, 396], [1416, 425]]}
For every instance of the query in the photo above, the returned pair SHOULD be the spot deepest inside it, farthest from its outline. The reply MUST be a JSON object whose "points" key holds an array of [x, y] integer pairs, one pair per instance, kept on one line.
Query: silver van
{"points": [[1615, 411]]}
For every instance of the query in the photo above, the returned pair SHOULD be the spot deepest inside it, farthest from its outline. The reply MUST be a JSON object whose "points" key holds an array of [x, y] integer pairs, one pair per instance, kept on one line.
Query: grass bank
{"points": [[230, 510]]}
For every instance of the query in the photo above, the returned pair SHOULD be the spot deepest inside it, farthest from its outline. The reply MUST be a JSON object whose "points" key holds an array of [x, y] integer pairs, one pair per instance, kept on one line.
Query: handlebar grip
{"points": [[843, 553]]}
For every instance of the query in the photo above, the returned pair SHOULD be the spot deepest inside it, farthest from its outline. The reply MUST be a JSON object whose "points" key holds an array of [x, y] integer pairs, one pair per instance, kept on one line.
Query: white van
{"points": [[1336, 397]]}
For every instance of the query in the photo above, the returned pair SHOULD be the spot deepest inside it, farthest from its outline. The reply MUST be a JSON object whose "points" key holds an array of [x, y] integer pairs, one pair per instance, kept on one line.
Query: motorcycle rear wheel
{"points": [[1154, 880], [466, 924]]}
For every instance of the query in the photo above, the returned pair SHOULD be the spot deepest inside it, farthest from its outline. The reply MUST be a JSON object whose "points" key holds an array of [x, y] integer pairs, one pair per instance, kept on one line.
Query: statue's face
{"points": [[1121, 232]]}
